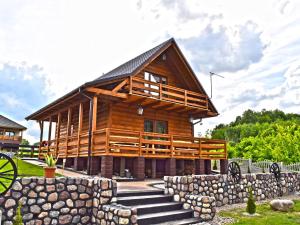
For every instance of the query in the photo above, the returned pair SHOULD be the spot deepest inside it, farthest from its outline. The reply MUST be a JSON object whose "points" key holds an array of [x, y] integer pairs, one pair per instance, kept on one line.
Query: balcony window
{"points": [[155, 79]]}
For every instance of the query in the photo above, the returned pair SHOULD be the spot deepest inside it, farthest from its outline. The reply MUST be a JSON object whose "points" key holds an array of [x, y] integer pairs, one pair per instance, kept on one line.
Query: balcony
{"points": [[127, 143], [166, 93], [10, 138]]}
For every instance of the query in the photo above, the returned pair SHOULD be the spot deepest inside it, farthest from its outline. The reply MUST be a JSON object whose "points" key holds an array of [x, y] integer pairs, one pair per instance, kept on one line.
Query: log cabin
{"points": [[136, 120], [10, 132]]}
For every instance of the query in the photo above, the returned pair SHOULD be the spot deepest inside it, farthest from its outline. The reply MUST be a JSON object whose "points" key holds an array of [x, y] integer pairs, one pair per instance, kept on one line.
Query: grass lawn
{"points": [[25, 169], [267, 216]]}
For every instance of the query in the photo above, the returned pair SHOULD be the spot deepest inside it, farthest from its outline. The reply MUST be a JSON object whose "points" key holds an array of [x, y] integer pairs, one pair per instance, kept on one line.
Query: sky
{"points": [[48, 48]]}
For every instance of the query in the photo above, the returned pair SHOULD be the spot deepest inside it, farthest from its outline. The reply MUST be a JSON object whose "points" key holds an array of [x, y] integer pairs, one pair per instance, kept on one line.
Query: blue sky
{"points": [[50, 47]]}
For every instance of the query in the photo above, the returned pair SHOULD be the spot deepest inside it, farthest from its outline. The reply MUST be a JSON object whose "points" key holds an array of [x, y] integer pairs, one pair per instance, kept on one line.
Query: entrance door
{"points": [[156, 126]]}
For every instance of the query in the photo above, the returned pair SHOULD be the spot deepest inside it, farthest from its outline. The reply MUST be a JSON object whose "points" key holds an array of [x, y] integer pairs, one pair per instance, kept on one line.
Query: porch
{"points": [[126, 143]]}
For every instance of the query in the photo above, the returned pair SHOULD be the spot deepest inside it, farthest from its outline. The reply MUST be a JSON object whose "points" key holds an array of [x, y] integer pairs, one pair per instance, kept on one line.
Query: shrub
{"points": [[215, 167], [18, 220], [251, 207]]}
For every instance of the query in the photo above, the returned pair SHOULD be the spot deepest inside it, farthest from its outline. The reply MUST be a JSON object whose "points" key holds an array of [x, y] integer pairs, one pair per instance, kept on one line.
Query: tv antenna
{"points": [[211, 74]]}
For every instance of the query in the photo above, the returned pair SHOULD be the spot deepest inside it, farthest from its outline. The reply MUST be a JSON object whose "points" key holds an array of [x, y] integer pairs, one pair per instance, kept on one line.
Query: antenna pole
{"points": [[212, 74]]}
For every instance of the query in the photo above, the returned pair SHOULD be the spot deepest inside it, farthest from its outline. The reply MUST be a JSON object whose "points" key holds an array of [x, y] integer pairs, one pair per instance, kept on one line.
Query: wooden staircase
{"points": [[153, 208]]}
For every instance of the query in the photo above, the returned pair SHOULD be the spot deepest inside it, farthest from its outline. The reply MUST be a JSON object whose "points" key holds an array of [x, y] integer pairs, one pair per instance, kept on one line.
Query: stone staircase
{"points": [[153, 207]]}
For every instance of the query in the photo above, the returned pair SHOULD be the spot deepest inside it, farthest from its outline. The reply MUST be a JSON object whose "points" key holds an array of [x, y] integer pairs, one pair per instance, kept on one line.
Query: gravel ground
{"points": [[219, 220]]}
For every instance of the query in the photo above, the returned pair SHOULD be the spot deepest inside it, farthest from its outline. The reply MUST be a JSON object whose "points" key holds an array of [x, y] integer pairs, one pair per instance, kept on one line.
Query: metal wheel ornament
{"points": [[234, 171], [8, 173], [275, 169]]}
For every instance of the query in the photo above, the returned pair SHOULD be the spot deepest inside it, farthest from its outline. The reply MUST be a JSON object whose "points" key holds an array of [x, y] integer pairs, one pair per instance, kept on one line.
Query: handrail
{"points": [[168, 93]]}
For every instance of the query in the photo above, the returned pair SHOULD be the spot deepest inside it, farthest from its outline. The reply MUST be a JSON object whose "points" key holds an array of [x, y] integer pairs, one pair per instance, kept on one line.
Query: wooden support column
{"points": [[41, 134], [68, 130], [223, 166], [94, 124], [122, 166], [57, 134], [139, 168], [170, 169], [49, 134], [80, 118]]}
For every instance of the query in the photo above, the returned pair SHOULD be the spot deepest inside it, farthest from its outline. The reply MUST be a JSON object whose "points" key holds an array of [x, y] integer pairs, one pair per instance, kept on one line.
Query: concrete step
{"points": [[180, 222], [144, 199], [139, 193], [161, 217], [158, 207]]}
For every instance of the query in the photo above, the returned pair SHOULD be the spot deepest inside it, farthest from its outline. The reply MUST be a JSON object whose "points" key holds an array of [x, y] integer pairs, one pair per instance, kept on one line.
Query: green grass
{"points": [[24, 169], [267, 216]]}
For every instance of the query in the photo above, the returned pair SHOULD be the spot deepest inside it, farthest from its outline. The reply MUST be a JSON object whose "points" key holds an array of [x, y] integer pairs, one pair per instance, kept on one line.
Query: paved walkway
{"points": [[122, 186]]}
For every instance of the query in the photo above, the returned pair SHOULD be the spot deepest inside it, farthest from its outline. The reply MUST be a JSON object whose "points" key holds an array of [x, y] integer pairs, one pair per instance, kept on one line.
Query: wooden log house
{"points": [[10, 132], [138, 117]]}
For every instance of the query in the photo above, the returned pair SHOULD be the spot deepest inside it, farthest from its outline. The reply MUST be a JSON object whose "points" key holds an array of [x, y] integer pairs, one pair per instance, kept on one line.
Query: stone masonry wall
{"points": [[226, 191], [63, 201]]}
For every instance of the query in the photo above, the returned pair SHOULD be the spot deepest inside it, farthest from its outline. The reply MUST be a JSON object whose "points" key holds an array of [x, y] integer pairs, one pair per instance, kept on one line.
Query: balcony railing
{"points": [[127, 143], [10, 138], [163, 92]]}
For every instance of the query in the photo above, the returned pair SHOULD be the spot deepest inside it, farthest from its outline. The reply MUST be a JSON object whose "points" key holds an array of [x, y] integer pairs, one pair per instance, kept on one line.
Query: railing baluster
{"points": [[185, 97], [130, 85], [160, 91]]}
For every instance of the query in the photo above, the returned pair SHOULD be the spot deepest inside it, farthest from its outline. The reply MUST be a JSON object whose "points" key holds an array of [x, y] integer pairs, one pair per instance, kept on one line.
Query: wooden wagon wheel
{"points": [[275, 169], [8, 173], [234, 171]]}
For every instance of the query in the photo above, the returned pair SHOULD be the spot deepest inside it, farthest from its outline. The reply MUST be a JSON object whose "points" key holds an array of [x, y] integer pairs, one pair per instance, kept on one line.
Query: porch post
{"points": [[49, 133], [170, 167], [93, 123], [41, 135], [79, 161], [139, 167], [57, 133], [223, 166], [68, 130]]}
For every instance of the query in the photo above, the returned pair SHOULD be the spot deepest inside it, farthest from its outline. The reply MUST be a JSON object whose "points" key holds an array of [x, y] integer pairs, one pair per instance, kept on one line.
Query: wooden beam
{"points": [[49, 134], [165, 106], [58, 133], [68, 129], [95, 107], [120, 85], [99, 91], [80, 119]]}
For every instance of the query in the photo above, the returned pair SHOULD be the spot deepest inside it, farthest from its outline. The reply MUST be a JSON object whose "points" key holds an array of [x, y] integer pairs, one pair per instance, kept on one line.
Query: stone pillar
{"points": [[199, 166], [95, 165], [79, 163], [207, 163], [139, 168], [223, 166], [153, 168], [122, 166], [69, 162], [170, 167], [107, 166], [181, 166]]}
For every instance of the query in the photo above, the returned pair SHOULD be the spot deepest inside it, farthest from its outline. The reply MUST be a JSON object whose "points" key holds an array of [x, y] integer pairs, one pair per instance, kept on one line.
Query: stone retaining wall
{"points": [[64, 201], [226, 191]]}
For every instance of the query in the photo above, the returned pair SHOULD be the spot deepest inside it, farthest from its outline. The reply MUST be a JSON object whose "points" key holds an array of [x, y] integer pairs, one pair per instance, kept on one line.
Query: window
{"points": [[156, 126], [155, 79]]}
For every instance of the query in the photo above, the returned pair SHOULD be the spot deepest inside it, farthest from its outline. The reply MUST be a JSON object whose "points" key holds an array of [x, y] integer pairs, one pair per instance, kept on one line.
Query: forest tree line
{"points": [[266, 135]]}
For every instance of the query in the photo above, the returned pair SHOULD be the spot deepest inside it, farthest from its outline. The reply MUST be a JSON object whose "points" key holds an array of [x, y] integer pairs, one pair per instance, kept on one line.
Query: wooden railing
{"points": [[167, 93], [10, 138], [127, 143]]}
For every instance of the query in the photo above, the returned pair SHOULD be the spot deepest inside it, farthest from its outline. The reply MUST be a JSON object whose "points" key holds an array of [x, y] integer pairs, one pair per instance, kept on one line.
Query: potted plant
{"points": [[49, 170]]}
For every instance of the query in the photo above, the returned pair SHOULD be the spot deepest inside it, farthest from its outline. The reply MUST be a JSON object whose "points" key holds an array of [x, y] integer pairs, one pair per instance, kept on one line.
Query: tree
{"points": [[25, 142]]}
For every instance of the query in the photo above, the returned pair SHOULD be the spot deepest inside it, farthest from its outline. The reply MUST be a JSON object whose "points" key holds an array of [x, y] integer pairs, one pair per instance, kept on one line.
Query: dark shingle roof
{"points": [[134, 64], [7, 123]]}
